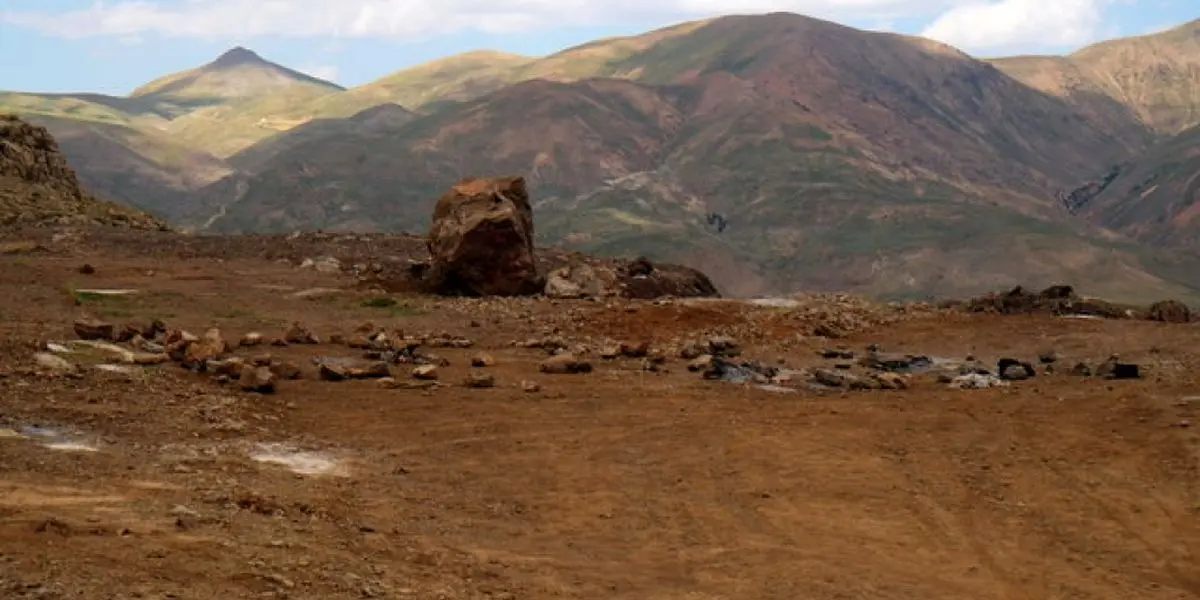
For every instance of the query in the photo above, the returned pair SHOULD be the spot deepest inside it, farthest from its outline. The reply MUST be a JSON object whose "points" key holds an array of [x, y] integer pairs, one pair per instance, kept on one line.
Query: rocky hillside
{"points": [[1154, 198], [777, 152], [38, 187]]}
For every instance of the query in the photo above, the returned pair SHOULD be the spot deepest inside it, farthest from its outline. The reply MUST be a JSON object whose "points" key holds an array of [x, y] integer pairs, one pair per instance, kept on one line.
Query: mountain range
{"points": [[775, 152]]}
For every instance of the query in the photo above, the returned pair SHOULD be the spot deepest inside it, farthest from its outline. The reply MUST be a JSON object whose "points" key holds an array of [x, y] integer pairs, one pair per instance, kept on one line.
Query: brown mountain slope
{"points": [[37, 186], [778, 152], [1156, 76]]}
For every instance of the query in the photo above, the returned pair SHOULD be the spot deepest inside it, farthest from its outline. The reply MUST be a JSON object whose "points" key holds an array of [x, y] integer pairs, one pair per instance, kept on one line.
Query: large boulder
{"points": [[1170, 311], [481, 240]]}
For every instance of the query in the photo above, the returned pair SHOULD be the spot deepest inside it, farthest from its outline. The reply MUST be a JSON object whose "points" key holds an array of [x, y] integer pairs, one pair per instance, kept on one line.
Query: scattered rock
{"points": [[425, 372], [976, 381], [257, 379], [724, 347], [1125, 371], [53, 363], [328, 265], [692, 351], [286, 370], [146, 359], [251, 339], [565, 364], [703, 362], [1014, 370], [230, 367], [479, 380], [530, 387], [87, 269], [299, 334], [639, 350], [1081, 370], [209, 347], [93, 329], [482, 359]]}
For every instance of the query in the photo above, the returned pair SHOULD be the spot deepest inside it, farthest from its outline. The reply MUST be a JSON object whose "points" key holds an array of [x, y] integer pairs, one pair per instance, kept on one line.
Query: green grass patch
{"points": [[392, 307]]}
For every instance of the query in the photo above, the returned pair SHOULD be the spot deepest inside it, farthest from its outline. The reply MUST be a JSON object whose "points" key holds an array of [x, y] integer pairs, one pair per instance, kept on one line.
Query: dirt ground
{"points": [[619, 483]]}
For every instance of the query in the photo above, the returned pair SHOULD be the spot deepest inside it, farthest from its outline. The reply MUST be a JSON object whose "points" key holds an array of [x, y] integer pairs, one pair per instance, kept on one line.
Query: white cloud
{"points": [[1007, 25], [326, 72], [223, 19]]}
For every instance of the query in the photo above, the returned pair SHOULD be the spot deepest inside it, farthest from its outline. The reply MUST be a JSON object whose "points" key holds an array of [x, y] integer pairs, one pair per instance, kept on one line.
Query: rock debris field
{"points": [[229, 421]]}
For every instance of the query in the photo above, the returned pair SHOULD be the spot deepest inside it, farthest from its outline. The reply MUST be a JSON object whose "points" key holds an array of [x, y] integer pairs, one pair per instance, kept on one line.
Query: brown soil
{"points": [[619, 483]]}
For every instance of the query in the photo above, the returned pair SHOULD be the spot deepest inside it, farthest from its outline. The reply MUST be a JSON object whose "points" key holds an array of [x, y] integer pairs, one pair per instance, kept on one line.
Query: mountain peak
{"points": [[238, 56]]}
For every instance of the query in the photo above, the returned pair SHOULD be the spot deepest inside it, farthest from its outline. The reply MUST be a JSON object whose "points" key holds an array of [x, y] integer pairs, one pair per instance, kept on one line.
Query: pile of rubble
{"points": [[248, 363], [1062, 300]]}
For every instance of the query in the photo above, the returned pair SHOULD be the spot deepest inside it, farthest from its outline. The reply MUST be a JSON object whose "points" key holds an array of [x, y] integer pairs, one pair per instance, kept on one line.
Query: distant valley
{"points": [[778, 153]]}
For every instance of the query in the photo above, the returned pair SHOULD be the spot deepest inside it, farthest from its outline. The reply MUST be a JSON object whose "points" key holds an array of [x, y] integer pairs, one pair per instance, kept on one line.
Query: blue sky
{"points": [[115, 45]]}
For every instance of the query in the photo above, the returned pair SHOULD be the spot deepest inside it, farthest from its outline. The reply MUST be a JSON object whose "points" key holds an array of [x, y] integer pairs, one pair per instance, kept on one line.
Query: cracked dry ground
{"points": [[613, 484]]}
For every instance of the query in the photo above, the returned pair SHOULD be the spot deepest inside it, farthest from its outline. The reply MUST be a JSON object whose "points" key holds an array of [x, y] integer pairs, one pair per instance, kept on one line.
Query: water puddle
{"points": [[52, 438], [775, 302], [315, 292], [299, 461], [107, 292], [778, 389]]}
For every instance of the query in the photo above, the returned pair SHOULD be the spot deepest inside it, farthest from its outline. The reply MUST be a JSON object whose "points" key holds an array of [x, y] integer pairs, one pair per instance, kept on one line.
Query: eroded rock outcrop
{"points": [[38, 187]]}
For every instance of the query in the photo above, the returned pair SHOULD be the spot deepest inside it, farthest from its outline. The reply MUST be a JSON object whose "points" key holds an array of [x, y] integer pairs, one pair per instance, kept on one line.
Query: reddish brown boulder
{"points": [[481, 240]]}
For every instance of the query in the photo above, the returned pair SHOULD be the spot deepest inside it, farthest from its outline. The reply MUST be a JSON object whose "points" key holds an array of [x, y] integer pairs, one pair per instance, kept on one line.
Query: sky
{"points": [[113, 46]]}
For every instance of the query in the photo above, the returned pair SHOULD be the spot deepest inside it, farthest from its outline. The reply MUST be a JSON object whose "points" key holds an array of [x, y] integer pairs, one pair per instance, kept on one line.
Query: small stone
{"points": [[149, 358], [257, 379], [1125, 371], [286, 370], [53, 363], [251, 339], [610, 352], [638, 350], [530, 387], [565, 364], [723, 346], [479, 380], [209, 347], [1014, 370], [482, 359], [891, 381], [425, 372], [1048, 357], [1081, 370], [93, 329], [87, 269], [700, 363], [299, 334], [691, 351]]}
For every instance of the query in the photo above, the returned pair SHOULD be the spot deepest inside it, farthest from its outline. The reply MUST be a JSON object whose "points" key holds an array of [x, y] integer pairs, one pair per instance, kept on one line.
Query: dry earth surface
{"points": [[623, 482]]}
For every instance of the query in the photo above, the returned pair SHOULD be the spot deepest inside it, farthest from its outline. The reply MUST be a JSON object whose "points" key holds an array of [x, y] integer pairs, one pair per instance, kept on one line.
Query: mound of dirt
{"points": [[37, 186]]}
